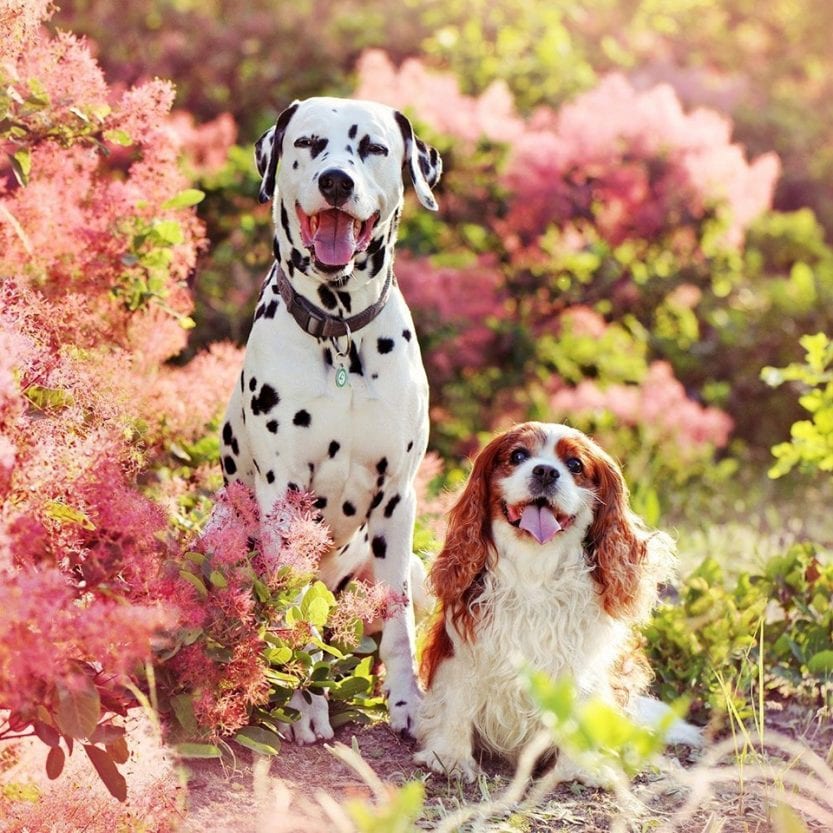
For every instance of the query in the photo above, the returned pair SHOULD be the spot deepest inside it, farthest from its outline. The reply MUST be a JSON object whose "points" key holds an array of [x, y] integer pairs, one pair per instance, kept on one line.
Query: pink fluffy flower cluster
{"points": [[659, 405], [437, 101], [458, 310], [635, 164]]}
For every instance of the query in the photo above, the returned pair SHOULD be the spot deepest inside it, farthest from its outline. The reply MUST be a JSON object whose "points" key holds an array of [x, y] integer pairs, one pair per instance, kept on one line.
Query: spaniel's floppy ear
{"points": [[468, 542], [268, 150], [422, 161], [615, 542]]}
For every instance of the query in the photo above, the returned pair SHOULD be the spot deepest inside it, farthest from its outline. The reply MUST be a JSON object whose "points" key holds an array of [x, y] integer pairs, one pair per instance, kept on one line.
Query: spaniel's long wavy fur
{"points": [[567, 605]]}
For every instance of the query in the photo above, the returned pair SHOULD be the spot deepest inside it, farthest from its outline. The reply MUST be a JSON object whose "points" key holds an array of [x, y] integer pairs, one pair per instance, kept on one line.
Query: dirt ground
{"points": [[292, 792]]}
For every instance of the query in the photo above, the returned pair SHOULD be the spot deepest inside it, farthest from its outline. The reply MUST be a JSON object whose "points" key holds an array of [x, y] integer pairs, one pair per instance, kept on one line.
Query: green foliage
{"points": [[593, 732], [147, 261], [811, 444], [27, 120], [709, 641], [397, 813], [529, 46]]}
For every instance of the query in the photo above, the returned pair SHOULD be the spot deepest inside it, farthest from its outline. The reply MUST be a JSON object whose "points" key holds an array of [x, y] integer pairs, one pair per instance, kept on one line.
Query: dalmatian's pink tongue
{"points": [[539, 522], [335, 238]]}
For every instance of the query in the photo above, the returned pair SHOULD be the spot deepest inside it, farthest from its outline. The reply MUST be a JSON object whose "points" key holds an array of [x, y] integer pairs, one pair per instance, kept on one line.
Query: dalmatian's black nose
{"points": [[336, 186]]}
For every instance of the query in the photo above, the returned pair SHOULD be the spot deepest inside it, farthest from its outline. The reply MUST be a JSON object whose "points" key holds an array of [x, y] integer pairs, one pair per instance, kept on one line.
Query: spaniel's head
{"points": [[543, 491]]}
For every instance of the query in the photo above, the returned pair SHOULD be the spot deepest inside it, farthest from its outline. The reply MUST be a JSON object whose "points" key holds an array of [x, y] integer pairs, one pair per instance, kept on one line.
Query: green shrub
{"points": [[719, 638]]}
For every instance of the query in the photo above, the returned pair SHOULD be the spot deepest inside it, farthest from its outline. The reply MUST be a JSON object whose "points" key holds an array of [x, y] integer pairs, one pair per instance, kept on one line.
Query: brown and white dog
{"points": [[544, 564]]}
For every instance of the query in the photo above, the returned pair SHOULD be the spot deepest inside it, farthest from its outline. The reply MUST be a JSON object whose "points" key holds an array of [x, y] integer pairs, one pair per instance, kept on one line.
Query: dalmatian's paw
{"points": [[403, 708], [314, 723]]}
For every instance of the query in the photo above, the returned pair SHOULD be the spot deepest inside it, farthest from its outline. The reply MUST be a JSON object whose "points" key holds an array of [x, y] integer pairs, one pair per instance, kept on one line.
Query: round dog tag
{"points": [[341, 377]]}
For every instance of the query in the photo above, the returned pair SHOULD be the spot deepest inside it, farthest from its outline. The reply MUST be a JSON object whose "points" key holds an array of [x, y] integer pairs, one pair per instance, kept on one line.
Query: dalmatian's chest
{"points": [[346, 419]]}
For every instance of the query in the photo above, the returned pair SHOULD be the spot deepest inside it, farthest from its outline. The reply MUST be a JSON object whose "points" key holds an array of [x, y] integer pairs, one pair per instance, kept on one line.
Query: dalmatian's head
{"points": [[334, 170]]}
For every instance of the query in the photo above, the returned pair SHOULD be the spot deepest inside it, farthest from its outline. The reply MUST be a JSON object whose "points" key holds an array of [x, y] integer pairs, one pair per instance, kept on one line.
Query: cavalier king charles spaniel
{"points": [[544, 563]]}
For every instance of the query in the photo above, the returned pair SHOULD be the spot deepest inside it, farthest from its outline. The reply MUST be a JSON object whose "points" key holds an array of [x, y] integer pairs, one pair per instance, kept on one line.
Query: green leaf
{"points": [[21, 165], [821, 663], [59, 511], [55, 762], [198, 750], [107, 771], [118, 137], [79, 707], [351, 687], [183, 706], [317, 613], [195, 581], [279, 655], [259, 740], [217, 579], [48, 399], [168, 231], [184, 199]]}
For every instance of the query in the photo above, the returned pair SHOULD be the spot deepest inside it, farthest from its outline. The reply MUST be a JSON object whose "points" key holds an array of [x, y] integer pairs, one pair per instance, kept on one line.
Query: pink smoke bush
{"points": [[370, 604], [635, 164], [458, 309], [659, 405], [436, 99]]}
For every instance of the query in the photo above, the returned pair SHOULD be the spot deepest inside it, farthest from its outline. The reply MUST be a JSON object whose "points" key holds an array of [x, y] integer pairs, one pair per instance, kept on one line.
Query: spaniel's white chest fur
{"points": [[549, 621]]}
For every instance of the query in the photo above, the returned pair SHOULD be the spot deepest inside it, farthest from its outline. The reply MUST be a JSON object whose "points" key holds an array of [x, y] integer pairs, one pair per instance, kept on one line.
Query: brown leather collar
{"points": [[318, 323]]}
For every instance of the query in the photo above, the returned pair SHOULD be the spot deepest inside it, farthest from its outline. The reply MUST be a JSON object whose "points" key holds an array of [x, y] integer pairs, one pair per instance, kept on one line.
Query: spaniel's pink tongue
{"points": [[540, 522], [334, 239]]}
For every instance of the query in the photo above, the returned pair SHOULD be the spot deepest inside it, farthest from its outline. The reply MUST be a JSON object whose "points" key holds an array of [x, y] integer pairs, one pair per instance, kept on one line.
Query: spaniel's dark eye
{"points": [[303, 142], [518, 456], [574, 465]]}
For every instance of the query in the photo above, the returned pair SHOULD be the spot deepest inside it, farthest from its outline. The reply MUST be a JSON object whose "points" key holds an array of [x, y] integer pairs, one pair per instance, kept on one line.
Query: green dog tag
{"points": [[341, 377]]}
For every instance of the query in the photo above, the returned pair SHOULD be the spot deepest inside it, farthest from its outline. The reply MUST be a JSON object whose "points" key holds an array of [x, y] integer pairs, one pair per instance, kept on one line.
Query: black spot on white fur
{"points": [[333, 449], [302, 419], [265, 400], [379, 546], [384, 345], [328, 299]]}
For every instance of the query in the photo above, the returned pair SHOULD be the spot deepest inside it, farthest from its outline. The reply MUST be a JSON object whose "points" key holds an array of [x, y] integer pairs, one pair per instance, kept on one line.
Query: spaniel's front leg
{"points": [[445, 725]]}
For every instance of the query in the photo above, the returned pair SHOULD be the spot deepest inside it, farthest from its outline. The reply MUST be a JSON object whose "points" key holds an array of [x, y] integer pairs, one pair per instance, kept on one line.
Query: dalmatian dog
{"points": [[333, 397]]}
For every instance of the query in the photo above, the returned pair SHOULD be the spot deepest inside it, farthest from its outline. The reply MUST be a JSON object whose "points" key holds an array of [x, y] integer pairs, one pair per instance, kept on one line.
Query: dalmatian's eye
{"points": [[574, 465], [379, 150], [303, 142], [518, 456]]}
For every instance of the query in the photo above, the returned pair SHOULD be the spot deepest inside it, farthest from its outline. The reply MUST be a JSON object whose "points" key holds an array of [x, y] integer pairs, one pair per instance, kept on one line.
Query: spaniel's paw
{"points": [[314, 723], [463, 766]]}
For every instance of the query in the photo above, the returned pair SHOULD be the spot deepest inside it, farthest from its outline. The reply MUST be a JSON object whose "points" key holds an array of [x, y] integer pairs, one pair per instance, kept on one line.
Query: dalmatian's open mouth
{"points": [[335, 236]]}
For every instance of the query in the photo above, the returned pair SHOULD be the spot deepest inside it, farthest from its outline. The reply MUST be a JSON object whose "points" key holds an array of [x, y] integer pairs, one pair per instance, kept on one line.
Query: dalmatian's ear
{"points": [[422, 161], [268, 152]]}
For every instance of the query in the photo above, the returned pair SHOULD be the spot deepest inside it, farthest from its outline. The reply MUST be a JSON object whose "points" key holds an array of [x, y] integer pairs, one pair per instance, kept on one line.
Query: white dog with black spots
{"points": [[333, 397]]}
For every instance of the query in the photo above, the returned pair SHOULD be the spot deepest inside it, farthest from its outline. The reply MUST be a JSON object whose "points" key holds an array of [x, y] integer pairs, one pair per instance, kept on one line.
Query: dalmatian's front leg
{"points": [[313, 724], [390, 529]]}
